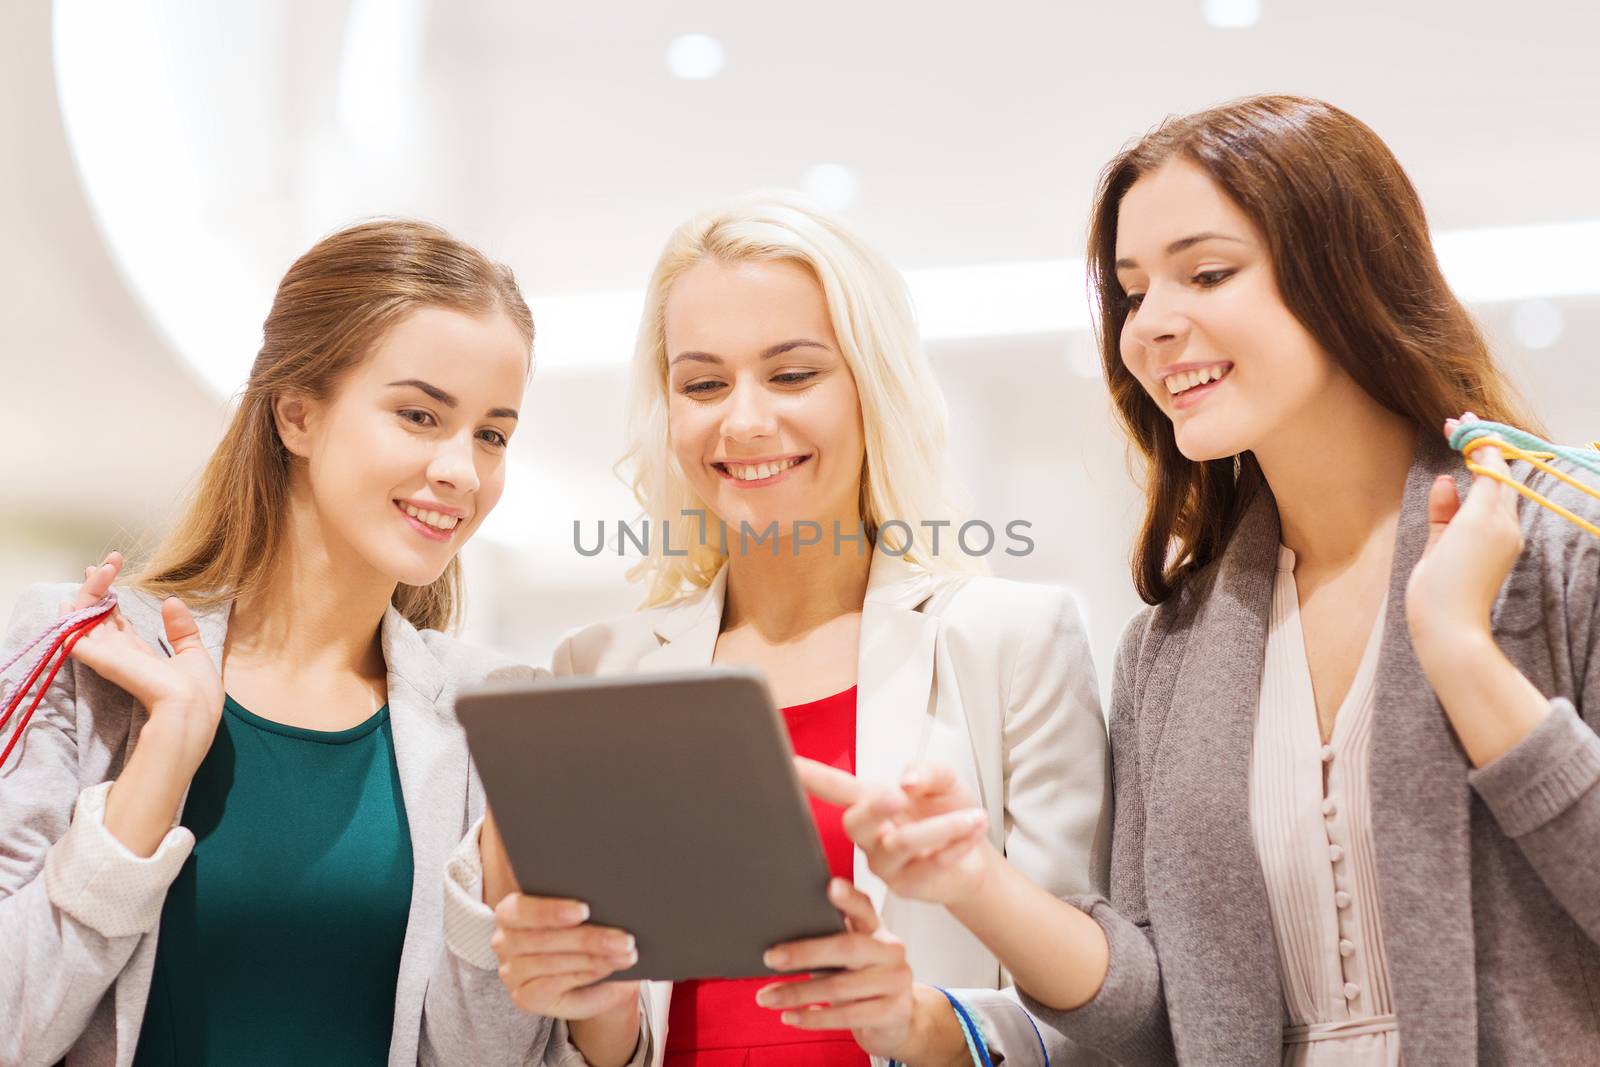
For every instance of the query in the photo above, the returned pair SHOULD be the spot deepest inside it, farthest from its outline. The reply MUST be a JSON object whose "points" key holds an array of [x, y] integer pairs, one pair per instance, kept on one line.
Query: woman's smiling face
{"points": [[407, 457], [1207, 333], [763, 413]]}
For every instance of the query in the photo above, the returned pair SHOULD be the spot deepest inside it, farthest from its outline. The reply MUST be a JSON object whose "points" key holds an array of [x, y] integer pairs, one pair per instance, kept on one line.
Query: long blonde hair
{"points": [[906, 475], [332, 308]]}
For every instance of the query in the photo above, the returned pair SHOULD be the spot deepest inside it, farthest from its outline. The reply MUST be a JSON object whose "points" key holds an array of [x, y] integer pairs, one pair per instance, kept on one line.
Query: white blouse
{"points": [[1313, 833]]}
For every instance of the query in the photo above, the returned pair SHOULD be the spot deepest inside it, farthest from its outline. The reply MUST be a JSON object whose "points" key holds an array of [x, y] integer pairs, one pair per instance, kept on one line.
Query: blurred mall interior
{"points": [[165, 161]]}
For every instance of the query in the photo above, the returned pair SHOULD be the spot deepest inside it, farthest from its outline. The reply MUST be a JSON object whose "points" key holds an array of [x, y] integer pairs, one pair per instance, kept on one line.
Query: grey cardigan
{"points": [[79, 914], [1489, 879]]}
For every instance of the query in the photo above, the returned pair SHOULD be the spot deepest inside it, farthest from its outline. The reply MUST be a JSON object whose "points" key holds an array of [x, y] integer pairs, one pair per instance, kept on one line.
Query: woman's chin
{"points": [[412, 568], [1199, 446]]}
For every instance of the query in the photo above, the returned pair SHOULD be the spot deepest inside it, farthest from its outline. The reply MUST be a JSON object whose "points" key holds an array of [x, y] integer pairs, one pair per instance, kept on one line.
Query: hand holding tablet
{"points": [[632, 791]]}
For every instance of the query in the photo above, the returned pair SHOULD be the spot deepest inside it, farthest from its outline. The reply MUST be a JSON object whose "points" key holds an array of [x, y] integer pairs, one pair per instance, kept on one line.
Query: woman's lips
{"points": [[1190, 397], [432, 533], [759, 483]]}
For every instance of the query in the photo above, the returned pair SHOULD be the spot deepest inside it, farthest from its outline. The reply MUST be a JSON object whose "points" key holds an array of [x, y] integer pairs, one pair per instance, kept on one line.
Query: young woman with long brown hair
{"points": [[233, 850], [1353, 737]]}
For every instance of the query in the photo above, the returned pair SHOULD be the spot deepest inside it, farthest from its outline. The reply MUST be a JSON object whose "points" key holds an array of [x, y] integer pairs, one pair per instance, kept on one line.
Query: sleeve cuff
{"points": [[468, 921], [1130, 984], [1544, 774], [100, 882], [1012, 1036]]}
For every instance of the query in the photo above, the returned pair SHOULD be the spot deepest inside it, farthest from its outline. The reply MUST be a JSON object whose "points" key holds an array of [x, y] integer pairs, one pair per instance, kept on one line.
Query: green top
{"points": [[280, 939]]}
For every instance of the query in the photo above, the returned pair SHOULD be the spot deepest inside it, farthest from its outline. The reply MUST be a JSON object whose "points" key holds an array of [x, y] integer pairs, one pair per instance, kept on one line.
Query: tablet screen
{"points": [[668, 803]]}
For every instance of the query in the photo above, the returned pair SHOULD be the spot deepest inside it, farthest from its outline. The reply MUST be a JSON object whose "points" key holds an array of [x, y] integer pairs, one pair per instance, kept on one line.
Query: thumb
{"points": [[1443, 503], [183, 634]]}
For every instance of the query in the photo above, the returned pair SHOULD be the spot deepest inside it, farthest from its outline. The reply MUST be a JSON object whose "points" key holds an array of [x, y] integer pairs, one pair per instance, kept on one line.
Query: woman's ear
{"points": [[295, 415]]}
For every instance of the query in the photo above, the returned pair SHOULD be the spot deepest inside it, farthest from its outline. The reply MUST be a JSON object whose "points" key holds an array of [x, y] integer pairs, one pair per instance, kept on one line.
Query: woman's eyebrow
{"points": [[1180, 245], [432, 390], [446, 399], [775, 350]]}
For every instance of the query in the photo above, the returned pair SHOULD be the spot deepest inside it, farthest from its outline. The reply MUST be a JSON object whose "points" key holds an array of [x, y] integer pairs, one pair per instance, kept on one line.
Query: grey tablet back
{"points": [[667, 802]]}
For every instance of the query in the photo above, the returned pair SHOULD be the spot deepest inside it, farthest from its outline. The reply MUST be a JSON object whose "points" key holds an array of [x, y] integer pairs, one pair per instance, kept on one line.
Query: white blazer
{"points": [[993, 678]]}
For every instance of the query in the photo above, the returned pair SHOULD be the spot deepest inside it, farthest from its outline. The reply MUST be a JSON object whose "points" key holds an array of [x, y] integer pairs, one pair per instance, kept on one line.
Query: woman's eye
{"points": [[1133, 300], [701, 387], [794, 377], [493, 437], [1209, 278], [418, 417]]}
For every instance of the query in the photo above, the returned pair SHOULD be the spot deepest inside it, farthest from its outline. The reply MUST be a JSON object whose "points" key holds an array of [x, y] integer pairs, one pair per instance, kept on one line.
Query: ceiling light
{"points": [[1232, 14], [1537, 323], [831, 185], [695, 56]]}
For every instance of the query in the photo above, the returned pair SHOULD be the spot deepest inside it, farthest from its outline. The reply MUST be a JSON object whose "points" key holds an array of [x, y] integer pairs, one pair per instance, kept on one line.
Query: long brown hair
{"points": [[332, 308], [1354, 264]]}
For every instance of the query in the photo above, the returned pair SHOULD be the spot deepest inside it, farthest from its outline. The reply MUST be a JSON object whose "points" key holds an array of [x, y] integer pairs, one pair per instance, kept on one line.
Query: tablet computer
{"points": [[668, 803]]}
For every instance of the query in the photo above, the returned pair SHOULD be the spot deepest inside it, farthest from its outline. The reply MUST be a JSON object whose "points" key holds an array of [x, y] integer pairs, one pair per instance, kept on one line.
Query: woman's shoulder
{"points": [[1559, 554], [1000, 623], [42, 603], [1004, 605], [467, 663], [616, 644], [1545, 528]]}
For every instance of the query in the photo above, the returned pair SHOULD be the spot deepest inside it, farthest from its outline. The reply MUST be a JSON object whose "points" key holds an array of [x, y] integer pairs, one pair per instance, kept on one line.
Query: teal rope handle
{"points": [[1468, 432]]}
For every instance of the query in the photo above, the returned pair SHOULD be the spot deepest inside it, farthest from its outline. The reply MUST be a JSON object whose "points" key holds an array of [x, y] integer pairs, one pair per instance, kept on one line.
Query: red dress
{"points": [[716, 1022]]}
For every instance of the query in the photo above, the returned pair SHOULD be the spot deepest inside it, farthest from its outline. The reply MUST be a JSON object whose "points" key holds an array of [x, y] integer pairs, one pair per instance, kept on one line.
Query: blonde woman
{"points": [[780, 391], [230, 850]]}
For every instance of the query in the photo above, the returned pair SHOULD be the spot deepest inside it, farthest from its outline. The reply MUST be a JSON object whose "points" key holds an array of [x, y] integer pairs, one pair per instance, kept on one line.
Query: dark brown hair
{"points": [[332, 308], [1353, 261]]}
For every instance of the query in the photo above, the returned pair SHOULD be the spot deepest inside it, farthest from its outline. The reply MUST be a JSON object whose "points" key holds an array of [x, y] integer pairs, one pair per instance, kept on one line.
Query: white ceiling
{"points": [[218, 141], [205, 145]]}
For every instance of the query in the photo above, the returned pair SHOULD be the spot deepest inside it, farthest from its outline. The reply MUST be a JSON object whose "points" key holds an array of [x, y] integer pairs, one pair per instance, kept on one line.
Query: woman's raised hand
{"points": [[1472, 546], [924, 836], [182, 692]]}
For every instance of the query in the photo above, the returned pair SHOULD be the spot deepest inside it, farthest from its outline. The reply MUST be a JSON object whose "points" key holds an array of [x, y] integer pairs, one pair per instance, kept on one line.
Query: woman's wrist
{"points": [[1491, 704], [609, 1039], [1450, 643], [936, 1038], [498, 880], [143, 802], [976, 899]]}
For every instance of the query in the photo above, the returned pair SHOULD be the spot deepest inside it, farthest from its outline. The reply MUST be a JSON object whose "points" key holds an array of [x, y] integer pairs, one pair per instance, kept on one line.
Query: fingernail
{"points": [[578, 913], [622, 943], [977, 818], [775, 957], [789, 1018], [763, 997]]}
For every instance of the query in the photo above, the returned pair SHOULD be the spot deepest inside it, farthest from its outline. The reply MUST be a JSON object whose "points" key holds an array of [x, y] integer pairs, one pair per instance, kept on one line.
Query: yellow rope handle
{"points": [[1511, 451]]}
